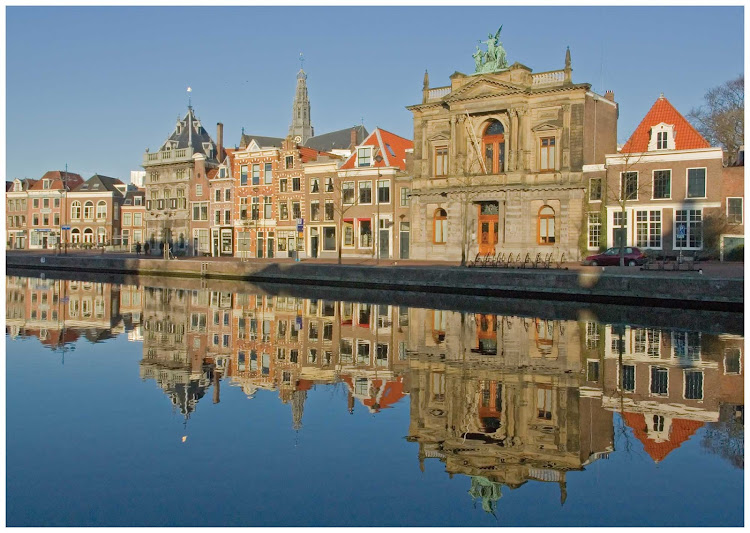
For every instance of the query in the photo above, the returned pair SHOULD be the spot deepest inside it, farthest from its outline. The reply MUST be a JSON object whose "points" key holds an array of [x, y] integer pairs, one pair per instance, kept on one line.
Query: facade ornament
{"points": [[493, 59], [426, 82]]}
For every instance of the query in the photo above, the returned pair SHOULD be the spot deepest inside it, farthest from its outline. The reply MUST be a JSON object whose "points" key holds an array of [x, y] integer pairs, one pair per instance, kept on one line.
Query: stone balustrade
{"points": [[548, 78], [437, 93]]}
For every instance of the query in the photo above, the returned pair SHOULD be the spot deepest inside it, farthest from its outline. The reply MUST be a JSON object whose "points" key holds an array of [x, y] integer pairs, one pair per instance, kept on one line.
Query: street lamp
{"points": [[378, 159]]}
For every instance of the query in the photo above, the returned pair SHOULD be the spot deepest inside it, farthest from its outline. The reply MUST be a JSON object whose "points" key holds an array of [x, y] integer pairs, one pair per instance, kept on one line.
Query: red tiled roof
{"points": [[680, 431], [310, 154], [391, 147], [74, 180], [211, 174], [686, 136]]}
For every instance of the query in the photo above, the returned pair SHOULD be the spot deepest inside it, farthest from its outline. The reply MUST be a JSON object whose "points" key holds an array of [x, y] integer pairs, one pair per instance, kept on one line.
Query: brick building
{"points": [[658, 191], [46, 203]]}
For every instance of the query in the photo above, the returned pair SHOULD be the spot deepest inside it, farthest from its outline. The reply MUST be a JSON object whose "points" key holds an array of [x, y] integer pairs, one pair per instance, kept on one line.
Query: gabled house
{"points": [[17, 210], [47, 199], [374, 197], [659, 190]]}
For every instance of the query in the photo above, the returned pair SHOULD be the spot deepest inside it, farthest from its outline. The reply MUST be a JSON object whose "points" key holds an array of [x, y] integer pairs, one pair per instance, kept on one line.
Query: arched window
{"points": [[493, 142], [101, 209], [75, 234], [75, 210], [546, 223], [440, 227], [101, 236], [88, 210], [88, 235]]}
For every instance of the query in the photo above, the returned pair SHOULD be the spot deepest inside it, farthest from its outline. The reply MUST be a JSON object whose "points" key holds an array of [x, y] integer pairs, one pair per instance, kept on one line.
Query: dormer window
{"points": [[222, 172], [46, 184], [179, 128], [364, 157], [662, 137], [661, 140]]}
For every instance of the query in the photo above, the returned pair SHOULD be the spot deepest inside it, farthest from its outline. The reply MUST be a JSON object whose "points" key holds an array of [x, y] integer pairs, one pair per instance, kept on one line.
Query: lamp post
{"points": [[378, 159]]}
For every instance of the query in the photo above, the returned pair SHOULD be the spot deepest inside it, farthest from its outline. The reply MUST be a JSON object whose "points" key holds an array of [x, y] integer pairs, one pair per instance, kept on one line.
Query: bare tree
{"points": [[721, 120], [629, 187], [344, 199]]}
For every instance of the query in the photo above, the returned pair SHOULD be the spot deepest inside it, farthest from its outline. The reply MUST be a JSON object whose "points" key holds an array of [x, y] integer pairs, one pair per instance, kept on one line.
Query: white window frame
{"points": [[648, 223], [687, 235], [637, 184], [742, 210], [705, 183], [653, 183], [650, 374], [588, 230], [685, 373]]}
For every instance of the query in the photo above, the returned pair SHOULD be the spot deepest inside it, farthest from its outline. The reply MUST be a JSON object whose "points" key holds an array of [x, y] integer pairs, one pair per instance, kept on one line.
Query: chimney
{"points": [[609, 95], [220, 141], [353, 139]]}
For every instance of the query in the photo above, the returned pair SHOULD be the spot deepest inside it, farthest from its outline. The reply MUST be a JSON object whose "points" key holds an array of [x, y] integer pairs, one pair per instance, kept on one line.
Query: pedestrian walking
{"points": [[138, 248], [146, 248]]}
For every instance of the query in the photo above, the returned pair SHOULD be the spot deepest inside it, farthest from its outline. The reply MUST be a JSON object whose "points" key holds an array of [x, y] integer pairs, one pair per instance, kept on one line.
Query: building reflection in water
{"points": [[501, 399]]}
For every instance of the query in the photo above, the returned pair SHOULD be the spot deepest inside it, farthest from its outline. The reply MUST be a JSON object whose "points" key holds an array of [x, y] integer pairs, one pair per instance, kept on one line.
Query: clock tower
{"points": [[301, 129]]}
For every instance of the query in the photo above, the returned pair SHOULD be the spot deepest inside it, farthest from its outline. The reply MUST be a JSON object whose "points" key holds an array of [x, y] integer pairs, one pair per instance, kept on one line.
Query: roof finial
{"points": [[661, 96], [301, 60], [567, 57], [426, 82], [190, 104]]}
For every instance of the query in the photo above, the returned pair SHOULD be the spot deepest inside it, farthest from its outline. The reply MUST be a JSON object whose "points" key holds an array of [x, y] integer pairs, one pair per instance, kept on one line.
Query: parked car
{"points": [[611, 257]]}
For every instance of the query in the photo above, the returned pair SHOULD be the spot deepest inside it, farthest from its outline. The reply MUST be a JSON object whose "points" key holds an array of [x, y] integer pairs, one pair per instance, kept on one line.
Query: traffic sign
{"points": [[300, 225], [66, 228]]}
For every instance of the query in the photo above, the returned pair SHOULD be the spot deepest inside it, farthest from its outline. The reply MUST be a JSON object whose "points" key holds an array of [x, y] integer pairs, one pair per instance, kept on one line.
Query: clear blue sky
{"points": [[93, 87]]}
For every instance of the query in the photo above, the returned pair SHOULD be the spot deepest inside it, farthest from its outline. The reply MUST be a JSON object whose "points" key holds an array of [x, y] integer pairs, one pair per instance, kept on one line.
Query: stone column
{"points": [[452, 151], [565, 162], [523, 132], [513, 152], [460, 144]]}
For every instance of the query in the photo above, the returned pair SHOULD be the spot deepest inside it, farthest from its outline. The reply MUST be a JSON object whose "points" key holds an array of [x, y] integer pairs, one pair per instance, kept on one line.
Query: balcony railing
{"points": [[437, 93], [168, 155], [548, 78]]}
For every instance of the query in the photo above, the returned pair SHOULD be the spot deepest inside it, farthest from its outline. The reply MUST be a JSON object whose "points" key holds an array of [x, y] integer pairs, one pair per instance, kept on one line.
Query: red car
{"points": [[633, 257]]}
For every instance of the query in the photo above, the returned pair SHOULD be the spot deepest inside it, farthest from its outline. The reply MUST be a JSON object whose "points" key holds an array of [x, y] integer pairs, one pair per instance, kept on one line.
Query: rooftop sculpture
{"points": [[494, 58]]}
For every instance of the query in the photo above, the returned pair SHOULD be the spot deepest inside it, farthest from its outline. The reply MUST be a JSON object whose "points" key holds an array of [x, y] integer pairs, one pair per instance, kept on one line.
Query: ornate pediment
{"points": [[438, 137], [541, 128], [482, 88]]}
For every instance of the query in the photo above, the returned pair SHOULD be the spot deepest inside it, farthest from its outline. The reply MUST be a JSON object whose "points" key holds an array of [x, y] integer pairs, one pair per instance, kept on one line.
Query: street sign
{"points": [[300, 225], [64, 300], [43, 230], [66, 228], [681, 231]]}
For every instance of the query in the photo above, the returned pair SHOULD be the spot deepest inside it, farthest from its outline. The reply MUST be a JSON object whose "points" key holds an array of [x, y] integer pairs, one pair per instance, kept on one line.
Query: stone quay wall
{"points": [[678, 290]]}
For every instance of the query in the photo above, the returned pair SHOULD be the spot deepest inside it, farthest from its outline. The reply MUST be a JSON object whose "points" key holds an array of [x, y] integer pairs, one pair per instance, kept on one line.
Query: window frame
{"points": [[687, 183], [591, 189], [441, 161], [442, 221], [742, 210], [623, 185], [653, 184], [552, 147], [546, 217]]}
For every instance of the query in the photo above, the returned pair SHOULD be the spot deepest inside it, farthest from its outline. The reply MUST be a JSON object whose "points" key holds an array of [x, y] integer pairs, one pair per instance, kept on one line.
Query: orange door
{"points": [[487, 237]]}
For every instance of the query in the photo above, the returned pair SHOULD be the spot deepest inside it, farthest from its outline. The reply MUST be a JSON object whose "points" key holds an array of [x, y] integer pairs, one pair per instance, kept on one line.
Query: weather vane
{"points": [[189, 90], [301, 61]]}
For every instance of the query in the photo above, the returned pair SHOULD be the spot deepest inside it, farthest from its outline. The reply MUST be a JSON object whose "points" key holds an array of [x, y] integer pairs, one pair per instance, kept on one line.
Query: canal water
{"points": [[194, 403]]}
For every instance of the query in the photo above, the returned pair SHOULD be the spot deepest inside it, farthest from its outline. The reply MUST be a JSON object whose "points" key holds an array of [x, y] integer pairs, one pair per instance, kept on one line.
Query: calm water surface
{"points": [[196, 405]]}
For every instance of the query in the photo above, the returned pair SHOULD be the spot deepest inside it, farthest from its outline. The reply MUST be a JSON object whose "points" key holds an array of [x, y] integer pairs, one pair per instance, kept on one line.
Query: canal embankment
{"points": [[683, 290]]}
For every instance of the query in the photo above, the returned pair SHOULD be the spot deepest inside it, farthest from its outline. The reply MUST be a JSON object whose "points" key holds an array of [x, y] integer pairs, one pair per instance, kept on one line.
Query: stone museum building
{"points": [[499, 157]]}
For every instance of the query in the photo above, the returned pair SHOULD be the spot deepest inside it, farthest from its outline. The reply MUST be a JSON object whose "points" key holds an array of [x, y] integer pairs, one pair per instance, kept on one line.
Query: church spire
{"points": [[301, 128]]}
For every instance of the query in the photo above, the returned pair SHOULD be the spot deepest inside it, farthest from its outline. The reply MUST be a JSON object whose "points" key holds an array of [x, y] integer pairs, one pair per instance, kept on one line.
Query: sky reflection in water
{"points": [[155, 406]]}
